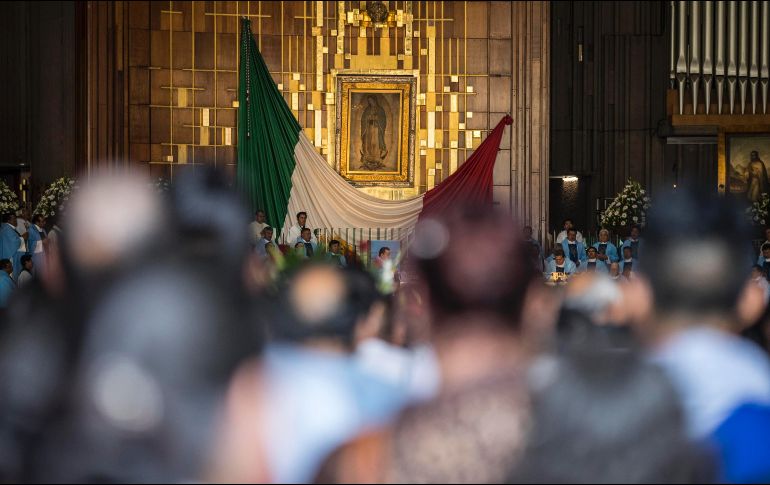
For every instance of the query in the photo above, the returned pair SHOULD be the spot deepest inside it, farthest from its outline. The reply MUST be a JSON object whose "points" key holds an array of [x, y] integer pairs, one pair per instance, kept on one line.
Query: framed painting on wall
{"points": [[376, 129], [744, 163]]}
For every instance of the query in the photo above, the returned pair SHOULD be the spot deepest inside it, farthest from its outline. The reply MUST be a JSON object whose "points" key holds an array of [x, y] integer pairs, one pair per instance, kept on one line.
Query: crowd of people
{"points": [[571, 256], [159, 344], [23, 245]]}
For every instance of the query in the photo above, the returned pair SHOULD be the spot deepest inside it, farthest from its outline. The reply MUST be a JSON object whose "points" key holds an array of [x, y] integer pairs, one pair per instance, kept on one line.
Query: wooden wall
{"points": [[609, 108], [39, 96]]}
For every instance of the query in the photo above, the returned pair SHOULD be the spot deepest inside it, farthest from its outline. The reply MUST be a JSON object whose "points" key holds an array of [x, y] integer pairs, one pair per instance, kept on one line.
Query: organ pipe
{"points": [[695, 53], [681, 62], [723, 45], [743, 52], [720, 53], [732, 52], [765, 57], [708, 51], [754, 60]]}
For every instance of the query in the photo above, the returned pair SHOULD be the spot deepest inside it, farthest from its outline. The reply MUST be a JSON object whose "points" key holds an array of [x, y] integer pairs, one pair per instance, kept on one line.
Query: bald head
{"points": [[323, 303], [317, 295], [110, 219]]}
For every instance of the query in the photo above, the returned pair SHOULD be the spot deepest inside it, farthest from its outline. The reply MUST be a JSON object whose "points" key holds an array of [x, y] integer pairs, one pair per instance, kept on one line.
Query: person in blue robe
{"points": [[12, 245], [574, 250], [559, 263], [628, 260], [764, 259], [35, 240], [606, 251], [6, 283], [635, 241], [593, 264]]}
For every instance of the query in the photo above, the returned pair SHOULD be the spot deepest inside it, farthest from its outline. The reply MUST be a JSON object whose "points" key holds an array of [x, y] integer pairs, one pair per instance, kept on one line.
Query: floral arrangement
{"points": [[55, 197], [757, 213], [629, 207], [9, 202]]}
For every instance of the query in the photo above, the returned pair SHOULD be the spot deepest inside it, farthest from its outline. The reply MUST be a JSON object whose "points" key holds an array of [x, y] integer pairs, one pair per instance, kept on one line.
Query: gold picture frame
{"points": [[375, 133], [725, 161]]}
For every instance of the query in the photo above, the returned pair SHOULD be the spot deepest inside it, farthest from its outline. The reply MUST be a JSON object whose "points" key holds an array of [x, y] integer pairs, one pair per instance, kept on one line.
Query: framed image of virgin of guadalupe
{"points": [[376, 129]]}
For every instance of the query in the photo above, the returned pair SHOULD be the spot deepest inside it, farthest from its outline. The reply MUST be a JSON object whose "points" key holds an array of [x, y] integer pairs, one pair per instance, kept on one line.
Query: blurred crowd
{"points": [[156, 342]]}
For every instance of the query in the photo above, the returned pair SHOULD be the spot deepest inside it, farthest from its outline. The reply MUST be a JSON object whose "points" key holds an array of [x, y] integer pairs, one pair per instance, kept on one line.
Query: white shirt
{"points": [[563, 235], [21, 226], [25, 277], [296, 232], [255, 231]]}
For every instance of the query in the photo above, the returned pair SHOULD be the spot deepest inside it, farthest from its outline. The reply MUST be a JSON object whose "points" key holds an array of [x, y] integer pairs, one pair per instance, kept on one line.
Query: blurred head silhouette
{"points": [[208, 218], [322, 305], [159, 351], [604, 417], [458, 281], [696, 241], [110, 221]]}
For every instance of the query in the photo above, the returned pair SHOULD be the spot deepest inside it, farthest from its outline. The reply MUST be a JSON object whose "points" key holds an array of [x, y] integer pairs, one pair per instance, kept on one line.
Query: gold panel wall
{"points": [[475, 62]]}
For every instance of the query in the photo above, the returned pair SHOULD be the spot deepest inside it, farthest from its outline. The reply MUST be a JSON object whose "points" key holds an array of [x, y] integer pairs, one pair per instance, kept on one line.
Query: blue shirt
{"points": [[6, 288], [316, 401], [636, 247], [611, 251], [715, 373], [569, 266], [579, 249]]}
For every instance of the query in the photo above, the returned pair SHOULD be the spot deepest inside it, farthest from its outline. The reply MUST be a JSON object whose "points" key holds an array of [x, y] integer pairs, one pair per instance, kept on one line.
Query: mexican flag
{"points": [[280, 171]]}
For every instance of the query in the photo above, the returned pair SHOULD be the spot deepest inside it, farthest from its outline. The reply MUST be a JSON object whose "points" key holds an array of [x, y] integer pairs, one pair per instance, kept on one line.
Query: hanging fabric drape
{"points": [[280, 171]]}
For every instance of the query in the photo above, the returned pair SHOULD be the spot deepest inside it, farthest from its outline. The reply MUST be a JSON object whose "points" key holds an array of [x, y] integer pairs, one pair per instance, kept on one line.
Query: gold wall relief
{"points": [[307, 45]]}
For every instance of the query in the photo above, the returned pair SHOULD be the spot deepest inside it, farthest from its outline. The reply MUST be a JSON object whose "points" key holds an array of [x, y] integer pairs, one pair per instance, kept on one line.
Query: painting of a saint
{"points": [[748, 176], [374, 121], [758, 183], [375, 131], [375, 135]]}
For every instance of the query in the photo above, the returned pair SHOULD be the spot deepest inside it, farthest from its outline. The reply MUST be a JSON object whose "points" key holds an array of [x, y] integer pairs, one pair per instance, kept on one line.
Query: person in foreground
{"points": [[314, 394], [723, 380], [604, 416], [476, 427]]}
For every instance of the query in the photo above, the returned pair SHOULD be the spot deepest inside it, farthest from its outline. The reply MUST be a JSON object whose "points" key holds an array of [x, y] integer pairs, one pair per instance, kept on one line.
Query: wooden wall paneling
{"points": [[608, 107]]}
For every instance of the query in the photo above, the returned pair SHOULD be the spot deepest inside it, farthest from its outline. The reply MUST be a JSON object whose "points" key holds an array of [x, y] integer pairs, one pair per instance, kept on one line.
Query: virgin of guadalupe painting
{"points": [[374, 122], [747, 170], [375, 129]]}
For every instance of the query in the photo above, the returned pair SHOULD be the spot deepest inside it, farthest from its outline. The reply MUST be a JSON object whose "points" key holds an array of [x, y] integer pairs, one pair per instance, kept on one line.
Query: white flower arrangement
{"points": [[629, 207], [9, 201], [55, 197], [757, 213]]}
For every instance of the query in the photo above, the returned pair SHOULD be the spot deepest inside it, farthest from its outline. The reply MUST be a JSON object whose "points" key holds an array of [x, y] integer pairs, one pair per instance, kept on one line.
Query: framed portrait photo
{"points": [[744, 158], [376, 129]]}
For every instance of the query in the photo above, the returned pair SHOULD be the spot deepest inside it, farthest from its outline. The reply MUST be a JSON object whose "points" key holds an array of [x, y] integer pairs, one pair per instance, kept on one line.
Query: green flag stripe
{"points": [[267, 135]]}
